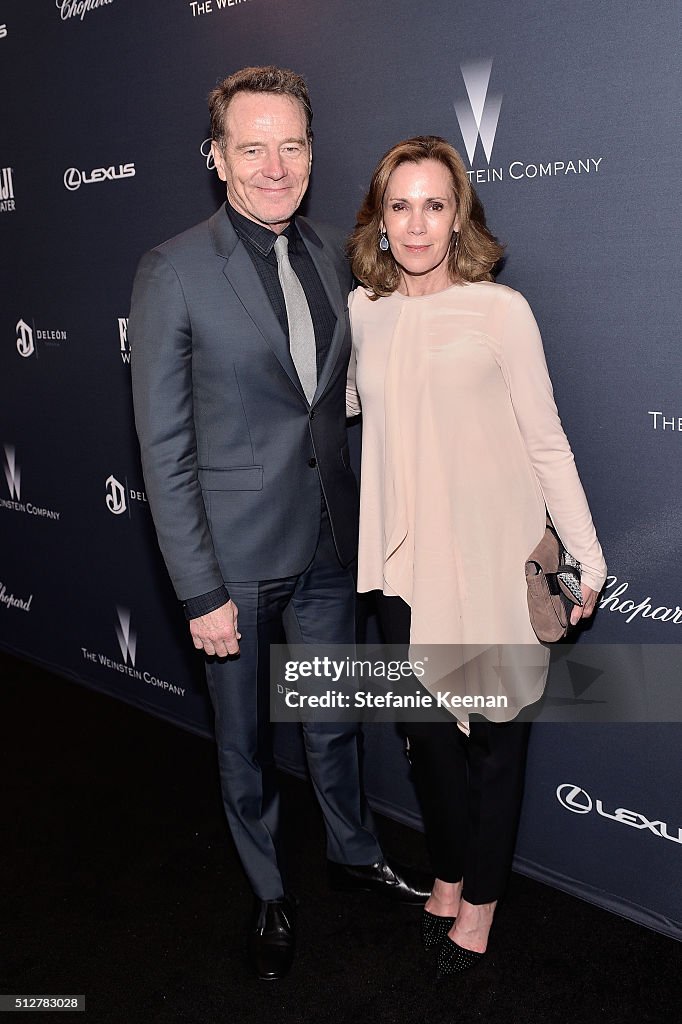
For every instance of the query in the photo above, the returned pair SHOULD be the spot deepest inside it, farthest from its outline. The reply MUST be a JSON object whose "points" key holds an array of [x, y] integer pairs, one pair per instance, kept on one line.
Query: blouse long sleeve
{"points": [[523, 363]]}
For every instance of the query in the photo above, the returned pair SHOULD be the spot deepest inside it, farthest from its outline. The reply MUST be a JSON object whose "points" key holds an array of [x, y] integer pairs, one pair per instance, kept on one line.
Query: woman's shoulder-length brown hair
{"points": [[477, 251]]}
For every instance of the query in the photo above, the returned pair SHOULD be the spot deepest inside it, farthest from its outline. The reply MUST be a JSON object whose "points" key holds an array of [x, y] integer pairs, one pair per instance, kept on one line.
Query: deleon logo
{"points": [[479, 113], [207, 153], [12, 473], [73, 178], [126, 636], [116, 496], [25, 345], [123, 338], [578, 800]]}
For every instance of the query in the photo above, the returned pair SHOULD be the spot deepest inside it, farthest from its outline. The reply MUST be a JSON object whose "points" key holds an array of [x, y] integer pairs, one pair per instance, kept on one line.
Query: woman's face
{"points": [[420, 215]]}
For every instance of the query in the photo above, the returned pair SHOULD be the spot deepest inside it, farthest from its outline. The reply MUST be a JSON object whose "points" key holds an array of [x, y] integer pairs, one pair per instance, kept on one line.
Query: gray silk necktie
{"points": [[301, 330]]}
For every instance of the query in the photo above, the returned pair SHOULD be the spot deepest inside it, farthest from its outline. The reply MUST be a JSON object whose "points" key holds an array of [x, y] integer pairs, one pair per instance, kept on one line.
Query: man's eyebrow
{"points": [[285, 142]]}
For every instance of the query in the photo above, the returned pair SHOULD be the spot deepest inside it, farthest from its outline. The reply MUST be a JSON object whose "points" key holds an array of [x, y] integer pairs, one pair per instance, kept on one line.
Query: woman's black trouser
{"points": [[469, 788]]}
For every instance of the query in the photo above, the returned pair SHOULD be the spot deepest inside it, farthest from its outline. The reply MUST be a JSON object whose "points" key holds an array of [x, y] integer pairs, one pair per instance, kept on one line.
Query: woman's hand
{"points": [[589, 601]]}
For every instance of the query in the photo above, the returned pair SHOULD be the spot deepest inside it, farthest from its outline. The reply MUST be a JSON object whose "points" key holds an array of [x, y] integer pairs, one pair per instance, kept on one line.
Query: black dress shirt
{"points": [[260, 245]]}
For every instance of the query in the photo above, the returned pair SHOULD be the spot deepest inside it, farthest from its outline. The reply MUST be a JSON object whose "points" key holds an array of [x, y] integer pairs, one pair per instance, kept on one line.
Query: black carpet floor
{"points": [[120, 882]]}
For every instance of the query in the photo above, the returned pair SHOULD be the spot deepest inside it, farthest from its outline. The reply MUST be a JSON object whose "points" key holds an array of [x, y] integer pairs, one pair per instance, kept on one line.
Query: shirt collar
{"points": [[260, 237]]}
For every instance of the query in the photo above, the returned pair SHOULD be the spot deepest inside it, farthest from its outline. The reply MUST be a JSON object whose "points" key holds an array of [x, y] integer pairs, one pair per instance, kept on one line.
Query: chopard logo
{"points": [[612, 602], [575, 799], [73, 178], [205, 150], [78, 8]]}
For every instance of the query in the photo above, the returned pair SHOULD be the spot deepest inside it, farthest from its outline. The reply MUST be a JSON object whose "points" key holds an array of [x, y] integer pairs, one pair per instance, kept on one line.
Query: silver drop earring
{"points": [[383, 242]]}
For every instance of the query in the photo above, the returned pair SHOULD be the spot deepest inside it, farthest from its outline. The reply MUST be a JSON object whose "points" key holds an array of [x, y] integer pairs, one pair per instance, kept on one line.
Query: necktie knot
{"points": [[282, 248], [301, 329]]}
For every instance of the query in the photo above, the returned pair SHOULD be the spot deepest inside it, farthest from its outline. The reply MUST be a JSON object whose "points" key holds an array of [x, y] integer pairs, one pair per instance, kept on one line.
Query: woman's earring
{"points": [[383, 242], [455, 238]]}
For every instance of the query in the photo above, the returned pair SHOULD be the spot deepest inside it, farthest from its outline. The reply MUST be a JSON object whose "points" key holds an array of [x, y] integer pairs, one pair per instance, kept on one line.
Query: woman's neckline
{"points": [[432, 295]]}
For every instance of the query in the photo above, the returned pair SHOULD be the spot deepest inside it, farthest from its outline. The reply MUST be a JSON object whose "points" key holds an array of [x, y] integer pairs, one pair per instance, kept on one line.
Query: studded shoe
{"points": [[453, 958], [434, 929]]}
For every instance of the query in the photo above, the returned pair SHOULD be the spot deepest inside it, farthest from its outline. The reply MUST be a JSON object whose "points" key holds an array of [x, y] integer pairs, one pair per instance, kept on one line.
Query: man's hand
{"points": [[216, 633], [589, 600]]}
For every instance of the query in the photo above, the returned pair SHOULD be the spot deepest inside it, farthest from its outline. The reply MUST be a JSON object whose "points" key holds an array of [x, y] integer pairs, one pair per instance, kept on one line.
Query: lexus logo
{"points": [[573, 798], [72, 179], [479, 113]]}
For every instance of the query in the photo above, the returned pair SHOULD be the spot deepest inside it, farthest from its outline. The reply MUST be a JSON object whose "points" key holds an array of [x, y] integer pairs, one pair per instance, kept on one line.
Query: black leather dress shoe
{"points": [[272, 938], [386, 877]]}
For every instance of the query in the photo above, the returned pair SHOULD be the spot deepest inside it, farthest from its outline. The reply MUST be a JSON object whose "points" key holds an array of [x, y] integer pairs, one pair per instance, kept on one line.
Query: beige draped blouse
{"points": [[462, 451]]}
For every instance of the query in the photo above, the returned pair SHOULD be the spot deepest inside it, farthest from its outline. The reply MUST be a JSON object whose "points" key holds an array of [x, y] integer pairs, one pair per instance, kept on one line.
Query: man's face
{"points": [[267, 157]]}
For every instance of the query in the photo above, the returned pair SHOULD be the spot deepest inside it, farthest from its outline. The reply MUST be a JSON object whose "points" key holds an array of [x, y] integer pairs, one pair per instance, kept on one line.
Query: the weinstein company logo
{"points": [[123, 338], [7, 190], [73, 178], [29, 334], [127, 642], [478, 116], [126, 636], [575, 799], [13, 478]]}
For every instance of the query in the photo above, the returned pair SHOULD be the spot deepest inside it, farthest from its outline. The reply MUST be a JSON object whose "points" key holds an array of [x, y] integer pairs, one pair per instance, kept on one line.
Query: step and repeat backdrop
{"points": [[569, 120]]}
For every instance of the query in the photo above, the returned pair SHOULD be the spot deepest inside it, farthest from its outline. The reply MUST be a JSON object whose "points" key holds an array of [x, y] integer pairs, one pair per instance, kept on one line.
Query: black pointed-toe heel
{"points": [[453, 958], [434, 929]]}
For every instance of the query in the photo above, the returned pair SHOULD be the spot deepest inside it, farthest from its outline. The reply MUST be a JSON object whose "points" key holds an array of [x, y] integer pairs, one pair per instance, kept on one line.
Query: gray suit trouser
{"points": [[315, 606]]}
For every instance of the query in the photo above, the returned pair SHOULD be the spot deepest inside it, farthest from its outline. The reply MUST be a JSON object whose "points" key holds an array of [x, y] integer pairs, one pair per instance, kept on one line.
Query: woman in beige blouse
{"points": [[463, 452]]}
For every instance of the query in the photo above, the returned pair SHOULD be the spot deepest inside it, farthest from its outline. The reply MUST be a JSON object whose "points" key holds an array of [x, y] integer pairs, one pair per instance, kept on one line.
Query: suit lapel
{"points": [[338, 301], [242, 275]]}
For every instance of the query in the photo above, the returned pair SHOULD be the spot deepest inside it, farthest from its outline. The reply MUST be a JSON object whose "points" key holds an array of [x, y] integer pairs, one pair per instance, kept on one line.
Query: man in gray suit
{"points": [[240, 343]]}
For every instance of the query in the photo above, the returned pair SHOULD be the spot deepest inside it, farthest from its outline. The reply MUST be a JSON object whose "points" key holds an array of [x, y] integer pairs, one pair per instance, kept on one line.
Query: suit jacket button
{"points": [[312, 463]]}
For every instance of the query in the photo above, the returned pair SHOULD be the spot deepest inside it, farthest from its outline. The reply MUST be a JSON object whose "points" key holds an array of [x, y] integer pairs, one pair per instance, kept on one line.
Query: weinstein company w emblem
{"points": [[479, 114]]}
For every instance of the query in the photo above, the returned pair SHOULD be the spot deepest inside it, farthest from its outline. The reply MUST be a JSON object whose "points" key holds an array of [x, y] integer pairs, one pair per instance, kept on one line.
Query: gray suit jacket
{"points": [[230, 448]]}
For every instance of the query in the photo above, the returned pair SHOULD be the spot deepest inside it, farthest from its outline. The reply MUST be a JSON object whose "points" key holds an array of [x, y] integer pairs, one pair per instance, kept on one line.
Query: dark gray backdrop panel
{"points": [[591, 244]]}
